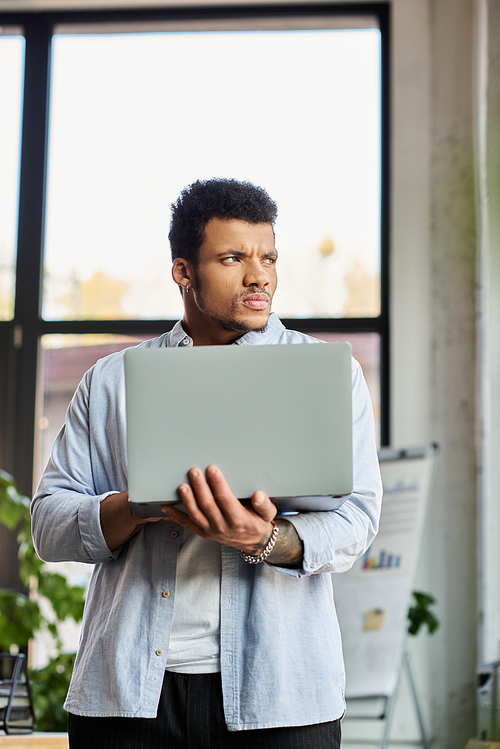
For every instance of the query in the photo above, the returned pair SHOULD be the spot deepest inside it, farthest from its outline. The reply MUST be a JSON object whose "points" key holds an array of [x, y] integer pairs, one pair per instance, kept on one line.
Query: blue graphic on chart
{"points": [[394, 549], [384, 561]]}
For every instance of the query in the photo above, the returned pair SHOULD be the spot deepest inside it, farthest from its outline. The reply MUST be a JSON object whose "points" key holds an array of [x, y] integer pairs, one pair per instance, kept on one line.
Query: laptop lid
{"points": [[276, 418]]}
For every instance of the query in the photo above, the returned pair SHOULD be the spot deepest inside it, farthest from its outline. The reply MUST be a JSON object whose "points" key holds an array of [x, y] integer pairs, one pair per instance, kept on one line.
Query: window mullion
{"points": [[30, 238]]}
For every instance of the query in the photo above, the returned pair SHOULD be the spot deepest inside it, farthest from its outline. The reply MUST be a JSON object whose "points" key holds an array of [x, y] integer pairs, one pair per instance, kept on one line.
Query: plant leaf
{"points": [[419, 615]]}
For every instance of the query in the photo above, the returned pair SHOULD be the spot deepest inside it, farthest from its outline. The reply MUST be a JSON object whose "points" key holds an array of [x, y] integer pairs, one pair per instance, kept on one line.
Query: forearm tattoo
{"points": [[289, 549]]}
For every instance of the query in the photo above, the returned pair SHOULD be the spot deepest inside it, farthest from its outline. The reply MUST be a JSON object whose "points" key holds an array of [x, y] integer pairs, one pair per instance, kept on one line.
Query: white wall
{"points": [[433, 336], [463, 528], [487, 100], [446, 332], [453, 512]]}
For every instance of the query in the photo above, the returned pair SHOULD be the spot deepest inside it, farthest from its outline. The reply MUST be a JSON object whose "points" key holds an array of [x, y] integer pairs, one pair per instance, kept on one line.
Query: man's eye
{"points": [[270, 260], [230, 260]]}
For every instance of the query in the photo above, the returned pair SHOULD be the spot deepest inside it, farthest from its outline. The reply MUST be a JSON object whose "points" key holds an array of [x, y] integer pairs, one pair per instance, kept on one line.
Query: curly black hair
{"points": [[215, 198]]}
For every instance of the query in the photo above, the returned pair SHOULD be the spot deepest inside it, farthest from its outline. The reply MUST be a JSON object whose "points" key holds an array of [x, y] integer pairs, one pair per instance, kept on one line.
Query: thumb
{"points": [[263, 506]]}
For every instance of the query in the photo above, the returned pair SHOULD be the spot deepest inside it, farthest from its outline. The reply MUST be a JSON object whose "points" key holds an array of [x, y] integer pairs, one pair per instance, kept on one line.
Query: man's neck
{"points": [[214, 335]]}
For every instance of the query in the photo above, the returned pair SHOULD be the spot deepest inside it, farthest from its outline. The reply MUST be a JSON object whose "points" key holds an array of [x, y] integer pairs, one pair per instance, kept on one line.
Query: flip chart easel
{"points": [[373, 597]]}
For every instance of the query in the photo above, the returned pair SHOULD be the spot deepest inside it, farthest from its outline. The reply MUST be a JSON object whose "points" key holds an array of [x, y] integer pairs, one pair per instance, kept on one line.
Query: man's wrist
{"points": [[258, 547], [117, 522], [256, 558], [288, 549]]}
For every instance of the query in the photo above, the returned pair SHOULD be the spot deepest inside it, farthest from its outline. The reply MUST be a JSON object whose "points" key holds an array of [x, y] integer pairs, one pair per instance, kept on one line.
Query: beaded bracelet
{"points": [[264, 554]]}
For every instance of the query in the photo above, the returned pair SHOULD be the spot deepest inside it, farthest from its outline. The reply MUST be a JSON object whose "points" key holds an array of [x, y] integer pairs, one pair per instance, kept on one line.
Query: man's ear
{"points": [[182, 272]]}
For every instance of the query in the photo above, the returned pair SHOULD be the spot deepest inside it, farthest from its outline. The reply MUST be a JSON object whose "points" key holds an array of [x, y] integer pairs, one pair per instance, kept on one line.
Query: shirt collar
{"points": [[178, 336]]}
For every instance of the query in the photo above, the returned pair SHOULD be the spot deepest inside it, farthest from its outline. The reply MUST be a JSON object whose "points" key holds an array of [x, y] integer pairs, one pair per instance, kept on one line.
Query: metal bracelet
{"points": [[264, 554]]}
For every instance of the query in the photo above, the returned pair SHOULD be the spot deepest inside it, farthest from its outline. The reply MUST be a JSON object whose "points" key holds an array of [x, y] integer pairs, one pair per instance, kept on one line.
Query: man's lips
{"points": [[256, 301]]}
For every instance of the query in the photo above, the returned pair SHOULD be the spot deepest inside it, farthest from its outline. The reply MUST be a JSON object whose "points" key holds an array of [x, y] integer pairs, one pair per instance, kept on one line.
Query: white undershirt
{"points": [[194, 640]]}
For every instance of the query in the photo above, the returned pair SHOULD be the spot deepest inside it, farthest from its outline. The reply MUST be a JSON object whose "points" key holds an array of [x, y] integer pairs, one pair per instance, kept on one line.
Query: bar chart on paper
{"points": [[395, 549], [384, 561], [372, 598]]}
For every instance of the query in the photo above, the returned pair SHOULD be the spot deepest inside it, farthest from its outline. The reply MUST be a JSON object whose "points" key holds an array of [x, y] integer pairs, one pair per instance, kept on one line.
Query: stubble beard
{"points": [[230, 323]]}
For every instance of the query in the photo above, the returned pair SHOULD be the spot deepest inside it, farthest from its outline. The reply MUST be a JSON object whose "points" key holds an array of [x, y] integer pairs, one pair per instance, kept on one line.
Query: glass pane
{"points": [[63, 362], [366, 350], [11, 85], [136, 117]]}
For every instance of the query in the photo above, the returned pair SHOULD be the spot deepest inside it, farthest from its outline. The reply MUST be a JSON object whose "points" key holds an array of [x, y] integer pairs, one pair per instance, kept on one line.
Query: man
{"points": [[212, 627]]}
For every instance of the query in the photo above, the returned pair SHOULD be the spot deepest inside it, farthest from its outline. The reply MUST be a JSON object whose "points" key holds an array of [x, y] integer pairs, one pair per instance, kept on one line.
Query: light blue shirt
{"points": [[281, 652]]}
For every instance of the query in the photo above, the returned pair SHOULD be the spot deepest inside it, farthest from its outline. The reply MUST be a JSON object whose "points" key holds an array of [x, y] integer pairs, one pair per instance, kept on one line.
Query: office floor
{"points": [[35, 741]]}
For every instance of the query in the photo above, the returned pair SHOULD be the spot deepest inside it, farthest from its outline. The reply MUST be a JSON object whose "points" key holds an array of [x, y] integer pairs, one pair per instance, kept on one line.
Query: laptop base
{"points": [[318, 503]]}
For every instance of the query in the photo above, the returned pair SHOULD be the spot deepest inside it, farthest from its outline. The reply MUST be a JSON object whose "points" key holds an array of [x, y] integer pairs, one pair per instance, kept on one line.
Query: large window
{"points": [[11, 76], [121, 111]]}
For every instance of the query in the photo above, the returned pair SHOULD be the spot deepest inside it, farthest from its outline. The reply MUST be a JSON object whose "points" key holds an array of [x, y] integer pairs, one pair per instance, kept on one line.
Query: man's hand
{"points": [[214, 512], [117, 522]]}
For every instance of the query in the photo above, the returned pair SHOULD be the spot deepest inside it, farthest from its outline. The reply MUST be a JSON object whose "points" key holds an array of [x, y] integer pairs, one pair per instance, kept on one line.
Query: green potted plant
{"points": [[420, 615], [20, 615]]}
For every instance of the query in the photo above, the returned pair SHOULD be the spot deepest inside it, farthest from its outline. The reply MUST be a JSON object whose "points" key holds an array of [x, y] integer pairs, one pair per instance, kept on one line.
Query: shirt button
{"points": [[185, 342], [312, 565], [174, 534], [166, 594], [159, 651]]}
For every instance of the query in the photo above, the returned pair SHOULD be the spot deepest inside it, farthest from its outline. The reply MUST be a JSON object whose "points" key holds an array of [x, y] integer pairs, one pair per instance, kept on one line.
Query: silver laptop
{"points": [[276, 418]]}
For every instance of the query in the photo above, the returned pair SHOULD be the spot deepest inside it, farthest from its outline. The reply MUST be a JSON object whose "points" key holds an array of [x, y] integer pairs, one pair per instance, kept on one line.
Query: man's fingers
{"points": [[230, 506], [199, 501], [227, 503], [195, 508], [263, 506], [181, 518], [218, 483], [213, 511]]}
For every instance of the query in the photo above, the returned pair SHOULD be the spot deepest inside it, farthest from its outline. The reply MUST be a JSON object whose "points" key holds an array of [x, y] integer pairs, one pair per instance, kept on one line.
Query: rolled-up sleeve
{"points": [[334, 540]]}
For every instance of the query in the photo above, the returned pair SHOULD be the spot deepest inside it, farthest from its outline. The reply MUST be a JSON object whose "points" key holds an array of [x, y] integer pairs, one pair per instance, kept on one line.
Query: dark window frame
{"points": [[20, 338]]}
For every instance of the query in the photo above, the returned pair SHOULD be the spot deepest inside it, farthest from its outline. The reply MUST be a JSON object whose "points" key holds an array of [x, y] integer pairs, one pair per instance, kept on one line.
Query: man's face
{"points": [[235, 279]]}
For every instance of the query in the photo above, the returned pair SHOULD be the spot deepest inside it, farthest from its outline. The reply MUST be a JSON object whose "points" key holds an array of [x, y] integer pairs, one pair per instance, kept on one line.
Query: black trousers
{"points": [[190, 716]]}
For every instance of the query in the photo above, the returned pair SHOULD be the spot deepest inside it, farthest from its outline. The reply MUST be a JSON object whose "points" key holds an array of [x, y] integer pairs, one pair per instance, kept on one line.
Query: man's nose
{"points": [[256, 275]]}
